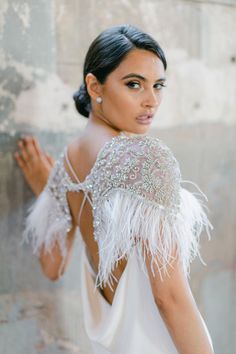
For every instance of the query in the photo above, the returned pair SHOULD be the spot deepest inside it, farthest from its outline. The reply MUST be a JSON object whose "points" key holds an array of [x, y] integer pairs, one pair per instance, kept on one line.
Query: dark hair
{"points": [[105, 54]]}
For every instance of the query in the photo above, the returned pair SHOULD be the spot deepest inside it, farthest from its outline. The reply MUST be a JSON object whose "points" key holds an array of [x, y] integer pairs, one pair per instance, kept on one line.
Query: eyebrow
{"points": [[141, 77]]}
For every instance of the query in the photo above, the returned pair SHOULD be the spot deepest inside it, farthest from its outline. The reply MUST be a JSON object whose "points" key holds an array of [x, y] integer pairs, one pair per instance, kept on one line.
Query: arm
{"points": [[52, 264], [50, 226], [37, 167], [179, 311]]}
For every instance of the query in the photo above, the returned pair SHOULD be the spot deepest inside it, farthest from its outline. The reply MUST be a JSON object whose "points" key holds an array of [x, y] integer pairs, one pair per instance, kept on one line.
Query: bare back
{"points": [[82, 154]]}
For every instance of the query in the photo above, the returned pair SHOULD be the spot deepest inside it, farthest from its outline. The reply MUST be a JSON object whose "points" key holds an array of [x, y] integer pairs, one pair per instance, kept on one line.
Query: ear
{"points": [[94, 87]]}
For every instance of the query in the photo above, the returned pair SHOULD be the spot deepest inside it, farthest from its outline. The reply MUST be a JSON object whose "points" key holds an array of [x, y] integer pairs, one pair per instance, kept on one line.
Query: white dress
{"points": [[138, 204]]}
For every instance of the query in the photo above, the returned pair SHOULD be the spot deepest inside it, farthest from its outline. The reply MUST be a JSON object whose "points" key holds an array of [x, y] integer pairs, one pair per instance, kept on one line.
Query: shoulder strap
{"points": [[70, 166], [77, 179]]}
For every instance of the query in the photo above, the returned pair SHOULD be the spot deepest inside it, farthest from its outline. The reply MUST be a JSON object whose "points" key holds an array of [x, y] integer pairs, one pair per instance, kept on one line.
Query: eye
{"points": [[132, 84], [160, 85]]}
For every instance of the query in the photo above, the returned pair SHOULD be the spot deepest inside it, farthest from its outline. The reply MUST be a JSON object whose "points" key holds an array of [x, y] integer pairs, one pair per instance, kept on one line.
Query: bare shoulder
{"points": [[83, 151]]}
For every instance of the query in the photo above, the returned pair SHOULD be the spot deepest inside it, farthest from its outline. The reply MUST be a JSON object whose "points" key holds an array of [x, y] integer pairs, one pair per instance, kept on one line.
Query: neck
{"points": [[96, 123]]}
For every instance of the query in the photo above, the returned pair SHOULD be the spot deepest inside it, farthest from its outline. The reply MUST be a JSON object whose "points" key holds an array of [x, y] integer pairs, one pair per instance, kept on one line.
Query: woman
{"points": [[121, 189]]}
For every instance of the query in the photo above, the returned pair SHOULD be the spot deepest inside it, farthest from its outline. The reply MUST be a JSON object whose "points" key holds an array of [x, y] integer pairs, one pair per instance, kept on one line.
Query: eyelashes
{"points": [[131, 84]]}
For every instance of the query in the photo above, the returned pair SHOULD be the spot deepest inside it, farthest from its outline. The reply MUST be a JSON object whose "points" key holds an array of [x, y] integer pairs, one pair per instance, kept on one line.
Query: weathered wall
{"points": [[42, 50]]}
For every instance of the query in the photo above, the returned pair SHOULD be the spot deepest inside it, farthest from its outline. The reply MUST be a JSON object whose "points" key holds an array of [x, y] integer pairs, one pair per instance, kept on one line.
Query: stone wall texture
{"points": [[42, 48]]}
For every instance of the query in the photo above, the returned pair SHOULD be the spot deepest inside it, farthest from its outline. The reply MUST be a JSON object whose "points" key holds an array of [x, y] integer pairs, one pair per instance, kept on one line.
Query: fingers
{"points": [[37, 147], [33, 163], [50, 159], [30, 152], [27, 153], [20, 160], [33, 145]]}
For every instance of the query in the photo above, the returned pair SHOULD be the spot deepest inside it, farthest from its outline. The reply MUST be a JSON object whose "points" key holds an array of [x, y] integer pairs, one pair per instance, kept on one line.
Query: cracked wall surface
{"points": [[42, 48]]}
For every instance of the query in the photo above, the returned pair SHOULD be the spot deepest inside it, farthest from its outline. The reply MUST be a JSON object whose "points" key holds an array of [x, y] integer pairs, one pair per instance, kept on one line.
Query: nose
{"points": [[151, 99]]}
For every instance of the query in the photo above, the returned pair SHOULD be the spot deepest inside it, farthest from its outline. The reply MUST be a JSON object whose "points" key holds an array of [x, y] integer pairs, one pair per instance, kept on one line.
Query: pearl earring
{"points": [[99, 99]]}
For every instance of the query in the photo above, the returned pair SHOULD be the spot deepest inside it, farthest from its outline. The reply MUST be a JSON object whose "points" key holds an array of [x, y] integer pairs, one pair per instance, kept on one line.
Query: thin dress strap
{"points": [[77, 179]]}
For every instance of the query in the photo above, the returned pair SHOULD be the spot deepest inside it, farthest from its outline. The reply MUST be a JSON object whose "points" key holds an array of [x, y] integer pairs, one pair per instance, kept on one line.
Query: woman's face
{"points": [[133, 91]]}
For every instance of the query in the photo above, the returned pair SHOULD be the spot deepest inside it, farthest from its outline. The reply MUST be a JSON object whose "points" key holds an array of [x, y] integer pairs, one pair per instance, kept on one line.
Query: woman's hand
{"points": [[34, 163]]}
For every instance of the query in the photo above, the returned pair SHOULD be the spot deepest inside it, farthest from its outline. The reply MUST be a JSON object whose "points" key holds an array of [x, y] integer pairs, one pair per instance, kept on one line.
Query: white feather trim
{"points": [[127, 219], [46, 224]]}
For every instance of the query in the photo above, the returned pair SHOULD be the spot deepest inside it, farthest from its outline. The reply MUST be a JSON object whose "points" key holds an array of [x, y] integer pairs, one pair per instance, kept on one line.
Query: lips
{"points": [[145, 117]]}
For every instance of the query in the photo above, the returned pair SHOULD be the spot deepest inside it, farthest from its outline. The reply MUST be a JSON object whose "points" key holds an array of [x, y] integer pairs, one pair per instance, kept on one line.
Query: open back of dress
{"points": [[133, 324], [135, 186]]}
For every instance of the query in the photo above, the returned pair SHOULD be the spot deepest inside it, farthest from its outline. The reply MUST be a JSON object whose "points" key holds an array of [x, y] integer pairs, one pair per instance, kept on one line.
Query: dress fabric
{"points": [[132, 324], [138, 204]]}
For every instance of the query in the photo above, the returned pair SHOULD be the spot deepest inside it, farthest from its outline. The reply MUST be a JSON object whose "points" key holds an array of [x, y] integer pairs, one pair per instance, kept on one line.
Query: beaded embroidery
{"points": [[57, 185], [136, 192], [142, 166]]}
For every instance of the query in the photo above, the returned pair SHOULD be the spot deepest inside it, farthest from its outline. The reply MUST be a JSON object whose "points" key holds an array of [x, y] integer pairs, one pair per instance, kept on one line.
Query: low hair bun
{"points": [[82, 101]]}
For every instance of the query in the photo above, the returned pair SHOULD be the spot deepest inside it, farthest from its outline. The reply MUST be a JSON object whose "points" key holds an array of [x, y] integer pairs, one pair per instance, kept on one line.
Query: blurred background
{"points": [[42, 48]]}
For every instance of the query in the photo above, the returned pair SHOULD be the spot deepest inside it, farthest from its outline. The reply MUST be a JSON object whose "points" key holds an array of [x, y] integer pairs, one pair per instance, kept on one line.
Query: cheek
{"points": [[119, 98], [160, 94]]}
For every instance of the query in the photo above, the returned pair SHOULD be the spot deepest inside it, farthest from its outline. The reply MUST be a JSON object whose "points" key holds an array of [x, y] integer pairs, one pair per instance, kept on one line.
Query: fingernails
{"points": [[24, 137], [27, 138]]}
